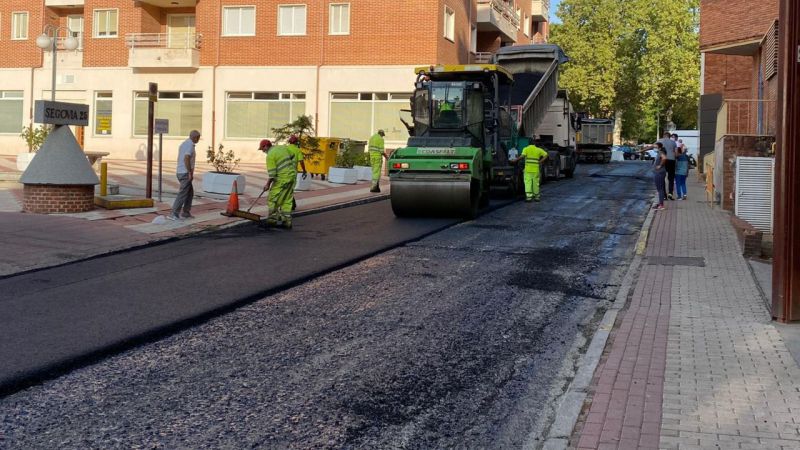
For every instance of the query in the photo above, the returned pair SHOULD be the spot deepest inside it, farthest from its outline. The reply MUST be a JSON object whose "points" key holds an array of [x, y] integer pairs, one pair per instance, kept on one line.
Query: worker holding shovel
{"points": [[282, 163]]}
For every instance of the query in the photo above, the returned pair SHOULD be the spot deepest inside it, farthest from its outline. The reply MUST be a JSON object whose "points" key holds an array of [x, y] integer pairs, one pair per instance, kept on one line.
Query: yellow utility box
{"points": [[318, 163]]}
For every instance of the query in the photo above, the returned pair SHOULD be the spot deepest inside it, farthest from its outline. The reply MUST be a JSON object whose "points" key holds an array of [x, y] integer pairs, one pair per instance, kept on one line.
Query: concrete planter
{"points": [[302, 185], [342, 175], [23, 159], [364, 173], [221, 183]]}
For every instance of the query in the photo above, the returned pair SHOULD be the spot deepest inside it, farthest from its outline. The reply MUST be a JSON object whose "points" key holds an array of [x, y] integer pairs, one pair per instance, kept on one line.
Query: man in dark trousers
{"points": [[669, 147]]}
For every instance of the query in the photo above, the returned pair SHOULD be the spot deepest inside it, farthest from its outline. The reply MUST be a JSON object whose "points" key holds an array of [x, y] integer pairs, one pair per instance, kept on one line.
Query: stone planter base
{"points": [[364, 173], [222, 183], [49, 198], [301, 184], [342, 176]]}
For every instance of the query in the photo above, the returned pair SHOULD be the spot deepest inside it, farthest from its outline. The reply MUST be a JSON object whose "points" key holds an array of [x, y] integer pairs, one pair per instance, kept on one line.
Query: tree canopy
{"points": [[635, 60]]}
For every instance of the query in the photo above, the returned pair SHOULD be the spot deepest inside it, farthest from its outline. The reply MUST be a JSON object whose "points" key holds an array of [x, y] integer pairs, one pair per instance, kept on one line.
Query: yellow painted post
{"points": [[103, 179]]}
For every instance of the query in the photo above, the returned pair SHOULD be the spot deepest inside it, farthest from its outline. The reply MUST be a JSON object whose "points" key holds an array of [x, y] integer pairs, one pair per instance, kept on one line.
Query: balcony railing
{"points": [[163, 40], [747, 117], [498, 15], [163, 51], [540, 10], [482, 58]]}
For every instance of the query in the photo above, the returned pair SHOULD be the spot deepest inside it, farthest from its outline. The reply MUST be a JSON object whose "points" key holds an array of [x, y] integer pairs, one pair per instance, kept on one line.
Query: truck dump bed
{"points": [[535, 70]]}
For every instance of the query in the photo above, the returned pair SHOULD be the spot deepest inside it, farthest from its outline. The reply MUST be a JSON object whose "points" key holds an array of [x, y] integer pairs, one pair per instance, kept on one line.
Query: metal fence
{"points": [[164, 40], [504, 8]]}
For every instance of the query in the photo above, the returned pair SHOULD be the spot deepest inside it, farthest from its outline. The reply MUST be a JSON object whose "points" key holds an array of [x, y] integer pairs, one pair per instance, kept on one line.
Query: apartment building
{"points": [[236, 69]]}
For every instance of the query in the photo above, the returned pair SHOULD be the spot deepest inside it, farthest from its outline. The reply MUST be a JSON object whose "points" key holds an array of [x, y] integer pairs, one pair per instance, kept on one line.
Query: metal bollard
{"points": [[103, 179]]}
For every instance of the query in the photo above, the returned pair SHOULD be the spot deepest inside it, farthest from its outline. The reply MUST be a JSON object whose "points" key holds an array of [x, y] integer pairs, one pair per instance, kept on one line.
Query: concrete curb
{"points": [[572, 401]]}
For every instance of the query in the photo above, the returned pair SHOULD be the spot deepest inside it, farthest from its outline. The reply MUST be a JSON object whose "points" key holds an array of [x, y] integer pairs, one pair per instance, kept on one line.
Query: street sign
{"points": [[152, 91], [161, 126], [60, 113]]}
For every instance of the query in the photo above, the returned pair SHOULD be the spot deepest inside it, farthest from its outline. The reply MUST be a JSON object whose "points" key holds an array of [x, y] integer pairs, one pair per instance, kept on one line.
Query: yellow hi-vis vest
{"points": [[532, 155], [376, 143], [281, 162]]}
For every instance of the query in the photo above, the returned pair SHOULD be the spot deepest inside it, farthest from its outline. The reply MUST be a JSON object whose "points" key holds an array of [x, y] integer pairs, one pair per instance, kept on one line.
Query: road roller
{"points": [[461, 117], [463, 130]]}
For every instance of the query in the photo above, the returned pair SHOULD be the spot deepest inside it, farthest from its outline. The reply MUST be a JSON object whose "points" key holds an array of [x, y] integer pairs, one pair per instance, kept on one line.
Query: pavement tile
{"points": [[695, 352]]}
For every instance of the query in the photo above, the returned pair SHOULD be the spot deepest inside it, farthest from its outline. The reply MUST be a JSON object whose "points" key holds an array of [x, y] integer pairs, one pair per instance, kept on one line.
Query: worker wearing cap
{"points": [[376, 155], [534, 157], [282, 163]]}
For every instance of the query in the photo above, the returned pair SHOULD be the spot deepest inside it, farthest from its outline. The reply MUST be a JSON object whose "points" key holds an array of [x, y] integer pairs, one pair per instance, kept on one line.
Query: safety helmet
{"points": [[264, 144], [293, 139]]}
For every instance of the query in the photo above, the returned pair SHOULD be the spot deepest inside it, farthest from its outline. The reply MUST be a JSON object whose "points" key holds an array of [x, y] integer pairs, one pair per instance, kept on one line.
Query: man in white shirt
{"points": [[185, 173]]}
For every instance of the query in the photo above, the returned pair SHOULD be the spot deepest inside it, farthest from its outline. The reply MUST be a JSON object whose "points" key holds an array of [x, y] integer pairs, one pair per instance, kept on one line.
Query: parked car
{"points": [[629, 152]]}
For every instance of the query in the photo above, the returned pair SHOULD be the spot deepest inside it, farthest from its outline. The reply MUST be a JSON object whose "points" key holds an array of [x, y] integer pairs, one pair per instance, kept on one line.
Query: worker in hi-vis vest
{"points": [[282, 163], [376, 155], [533, 157]]}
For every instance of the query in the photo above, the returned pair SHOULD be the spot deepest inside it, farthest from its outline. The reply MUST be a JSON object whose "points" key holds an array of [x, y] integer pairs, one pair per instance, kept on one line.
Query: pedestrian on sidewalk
{"points": [[185, 174], [681, 173], [377, 153], [659, 172], [669, 146]]}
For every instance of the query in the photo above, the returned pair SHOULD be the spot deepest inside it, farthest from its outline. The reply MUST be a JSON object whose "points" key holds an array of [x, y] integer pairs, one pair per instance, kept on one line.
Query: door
{"points": [[75, 25], [180, 30]]}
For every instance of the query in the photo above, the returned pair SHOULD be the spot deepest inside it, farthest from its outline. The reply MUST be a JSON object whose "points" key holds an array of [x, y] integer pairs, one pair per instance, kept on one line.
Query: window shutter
{"points": [[771, 52]]}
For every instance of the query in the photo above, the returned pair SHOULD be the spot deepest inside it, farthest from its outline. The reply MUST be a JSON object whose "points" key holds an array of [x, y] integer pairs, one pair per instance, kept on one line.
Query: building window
{"points": [[239, 21], [292, 20], [449, 24], [255, 114], [106, 23], [102, 113], [340, 18], [358, 115], [75, 25], [19, 25], [184, 110], [10, 112], [527, 29]]}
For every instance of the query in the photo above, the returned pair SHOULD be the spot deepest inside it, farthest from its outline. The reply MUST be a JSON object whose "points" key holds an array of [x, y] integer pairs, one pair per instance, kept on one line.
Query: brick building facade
{"points": [[738, 43], [234, 70]]}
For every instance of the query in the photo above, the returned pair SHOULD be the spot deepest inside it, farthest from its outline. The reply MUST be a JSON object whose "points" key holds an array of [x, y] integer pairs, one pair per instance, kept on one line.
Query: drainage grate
{"points": [[694, 261]]}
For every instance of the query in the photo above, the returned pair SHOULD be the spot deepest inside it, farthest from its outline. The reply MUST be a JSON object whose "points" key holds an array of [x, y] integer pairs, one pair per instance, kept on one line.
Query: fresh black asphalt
{"points": [[55, 319]]}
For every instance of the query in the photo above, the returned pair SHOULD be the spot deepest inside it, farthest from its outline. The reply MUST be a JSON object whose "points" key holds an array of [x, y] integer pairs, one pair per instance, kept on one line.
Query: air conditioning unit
{"points": [[755, 193]]}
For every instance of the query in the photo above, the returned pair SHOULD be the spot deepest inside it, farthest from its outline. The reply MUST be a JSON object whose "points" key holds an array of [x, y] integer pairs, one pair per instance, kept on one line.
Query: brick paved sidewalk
{"points": [[694, 361]]}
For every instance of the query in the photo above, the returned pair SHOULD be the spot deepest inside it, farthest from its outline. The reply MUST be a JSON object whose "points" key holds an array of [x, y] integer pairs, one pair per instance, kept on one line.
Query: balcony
{"points": [[163, 51], [747, 118], [171, 3], [56, 4], [540, 10], [498, 16]]}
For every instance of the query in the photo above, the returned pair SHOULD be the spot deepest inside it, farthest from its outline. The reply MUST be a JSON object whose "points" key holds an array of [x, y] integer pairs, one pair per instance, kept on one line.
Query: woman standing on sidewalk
{"points": [[659, 173], [681, 172]]}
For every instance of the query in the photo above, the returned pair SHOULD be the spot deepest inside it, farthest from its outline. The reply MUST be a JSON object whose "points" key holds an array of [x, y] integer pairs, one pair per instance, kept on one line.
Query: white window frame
{"points": [[527, 27], [291, 97], [226, 33], [342, 31], [182, 96], [305, 25], [94, 118], [391, 97], [4, 96], [78, 34], [95, 22], [449, 24], [15, 25]]}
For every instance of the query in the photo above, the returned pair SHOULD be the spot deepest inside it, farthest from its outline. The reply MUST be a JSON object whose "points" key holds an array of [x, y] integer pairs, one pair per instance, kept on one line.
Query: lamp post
{"points": [[49, 39]]}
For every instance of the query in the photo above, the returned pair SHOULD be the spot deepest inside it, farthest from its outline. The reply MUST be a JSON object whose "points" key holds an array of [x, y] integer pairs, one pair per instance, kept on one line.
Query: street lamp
{"points": [[49, 39]]}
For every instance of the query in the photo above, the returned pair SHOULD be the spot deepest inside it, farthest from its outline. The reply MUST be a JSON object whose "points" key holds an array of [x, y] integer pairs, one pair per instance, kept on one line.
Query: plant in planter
{"points": [[34, 137], [220, 180], [303, 128], [343, 171]]}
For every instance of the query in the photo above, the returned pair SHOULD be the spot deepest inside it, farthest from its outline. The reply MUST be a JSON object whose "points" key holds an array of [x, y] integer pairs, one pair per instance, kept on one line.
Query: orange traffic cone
{"points": [[233, 200]]}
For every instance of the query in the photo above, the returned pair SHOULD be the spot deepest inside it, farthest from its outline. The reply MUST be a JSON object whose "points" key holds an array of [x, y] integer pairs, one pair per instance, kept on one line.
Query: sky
{"points": [[553, 9]]}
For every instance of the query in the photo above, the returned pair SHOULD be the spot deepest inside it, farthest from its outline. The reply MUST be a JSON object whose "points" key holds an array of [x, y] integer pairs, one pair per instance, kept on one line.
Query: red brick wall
{"points": [[47, 198], [739, 146], [730, 21], [458, 51], [21, 53], [731, 76]]}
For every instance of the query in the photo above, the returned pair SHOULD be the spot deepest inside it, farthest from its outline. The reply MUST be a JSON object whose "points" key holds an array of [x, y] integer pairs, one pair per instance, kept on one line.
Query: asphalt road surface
{"points": [[461, 339]]}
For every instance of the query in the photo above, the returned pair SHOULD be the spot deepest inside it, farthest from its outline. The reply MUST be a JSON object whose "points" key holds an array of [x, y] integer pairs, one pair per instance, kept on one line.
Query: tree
{"points": [[303, 128], [632, 59]]}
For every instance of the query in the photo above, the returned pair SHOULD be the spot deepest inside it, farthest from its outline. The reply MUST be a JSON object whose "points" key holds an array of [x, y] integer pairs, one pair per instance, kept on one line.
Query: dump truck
{"points": [[595, 139], [463, 129]]}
